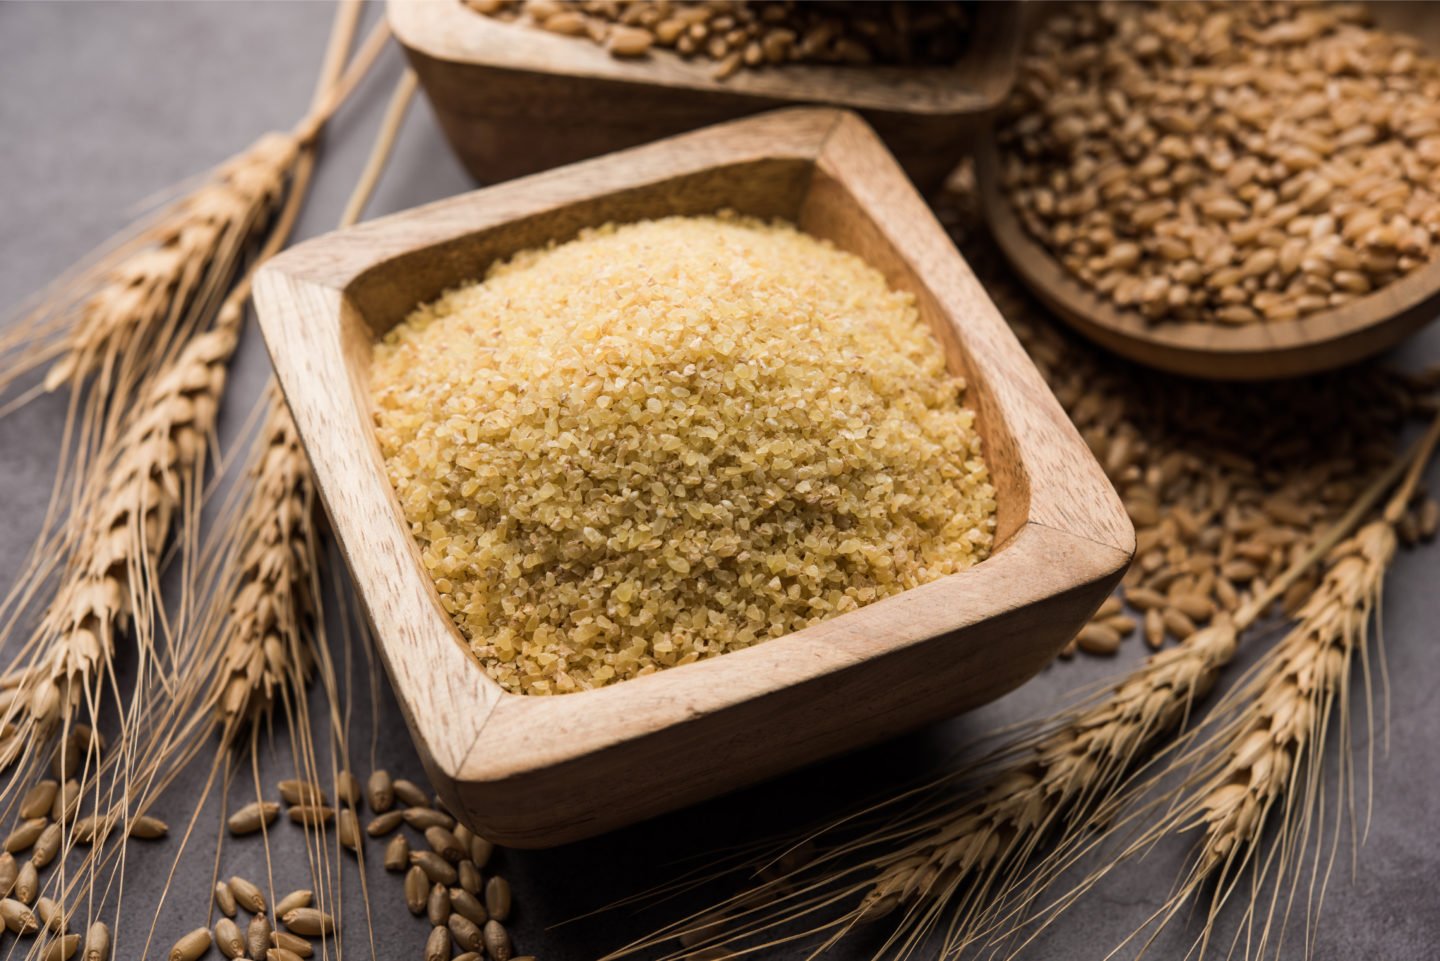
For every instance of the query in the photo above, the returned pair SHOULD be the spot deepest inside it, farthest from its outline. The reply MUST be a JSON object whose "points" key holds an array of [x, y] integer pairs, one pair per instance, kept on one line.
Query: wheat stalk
{"points": [[269, 543], [1287, 720], [1071, 779], [262, 632], [977, 865], [128, 333], [149, 497], [112, 330], [116, 532], [1264, 757], [112, 582], [964, 860], [113, 324], [264, 618]]}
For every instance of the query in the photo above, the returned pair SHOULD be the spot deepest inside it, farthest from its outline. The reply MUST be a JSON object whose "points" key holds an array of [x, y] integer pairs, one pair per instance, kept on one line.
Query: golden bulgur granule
{"points": [[671, 439]]}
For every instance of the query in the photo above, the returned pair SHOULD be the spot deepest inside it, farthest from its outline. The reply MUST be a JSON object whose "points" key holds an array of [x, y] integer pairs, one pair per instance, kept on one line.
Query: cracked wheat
{"points": [[663, 441]]}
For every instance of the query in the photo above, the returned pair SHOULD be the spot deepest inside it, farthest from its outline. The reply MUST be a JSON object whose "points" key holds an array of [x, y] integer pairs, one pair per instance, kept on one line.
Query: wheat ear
{"points": [[271, 540], [974, 867], [273, 599], [112, 325], [154, 478], [163, 454], [1263, 761], [262, 634]]}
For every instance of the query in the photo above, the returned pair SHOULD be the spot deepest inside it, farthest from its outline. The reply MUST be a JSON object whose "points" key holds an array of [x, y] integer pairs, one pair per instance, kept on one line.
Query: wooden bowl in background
{"points": [[1323, 341], [514, 99], [534, 771], [1261, 351]]}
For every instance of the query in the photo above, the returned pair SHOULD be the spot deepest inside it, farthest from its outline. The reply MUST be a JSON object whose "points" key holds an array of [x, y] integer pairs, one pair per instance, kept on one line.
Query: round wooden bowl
{"points": [[1261, 351]]}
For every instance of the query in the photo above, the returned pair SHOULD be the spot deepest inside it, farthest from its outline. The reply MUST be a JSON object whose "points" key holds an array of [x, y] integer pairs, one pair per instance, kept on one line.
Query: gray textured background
{"points": [[103, 104]]}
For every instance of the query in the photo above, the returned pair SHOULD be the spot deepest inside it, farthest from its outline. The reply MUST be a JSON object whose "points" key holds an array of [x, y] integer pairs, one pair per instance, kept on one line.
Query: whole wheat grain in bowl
{"points": [[663, 441], [1229, 163], [749, 34]]}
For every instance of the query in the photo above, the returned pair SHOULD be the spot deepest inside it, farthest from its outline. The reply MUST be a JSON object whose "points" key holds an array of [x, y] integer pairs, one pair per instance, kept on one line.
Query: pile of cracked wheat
{"points": [[664, 441], [1230, 163]]}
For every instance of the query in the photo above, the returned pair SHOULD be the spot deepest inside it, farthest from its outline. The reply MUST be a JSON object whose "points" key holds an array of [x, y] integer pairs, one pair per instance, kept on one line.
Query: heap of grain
{"points": [[1227, 163], [1226, 487], [663, 441], [738, 34]]}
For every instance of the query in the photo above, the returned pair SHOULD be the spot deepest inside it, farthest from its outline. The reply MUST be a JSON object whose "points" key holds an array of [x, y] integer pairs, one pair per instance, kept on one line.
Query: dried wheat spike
{"points": [[1285, 722], [273, 602], [1060, 788], [115, 569], [156, 292], [969, 857], [1263, 759]]}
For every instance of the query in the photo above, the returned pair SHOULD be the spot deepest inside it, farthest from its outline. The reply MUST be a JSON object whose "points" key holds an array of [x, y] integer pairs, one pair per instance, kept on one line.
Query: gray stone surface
{"points": [[101, 105]]}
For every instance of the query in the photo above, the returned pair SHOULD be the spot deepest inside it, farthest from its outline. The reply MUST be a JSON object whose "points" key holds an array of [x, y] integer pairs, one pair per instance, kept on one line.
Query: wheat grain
{"points": [[736, 35], [497, 898], [380, 791], [97, 942], [252, 817], [301, 898], [191, 946], [397, 853], [286, 941], [258, 936], [309, 922], [469, 907], [1223, 163], [470, 878], [437, 905], [224, 900], [437, 945]]}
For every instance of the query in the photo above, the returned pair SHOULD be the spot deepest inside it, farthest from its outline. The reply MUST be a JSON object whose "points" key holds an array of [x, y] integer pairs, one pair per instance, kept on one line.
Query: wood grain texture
{"points": [[514, 100], [535, 771], [1323, 341]]}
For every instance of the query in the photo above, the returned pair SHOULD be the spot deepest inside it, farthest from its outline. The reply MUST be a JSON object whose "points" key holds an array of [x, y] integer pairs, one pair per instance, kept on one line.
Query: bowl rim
{"points": [[1075, 532], [446, 30]]}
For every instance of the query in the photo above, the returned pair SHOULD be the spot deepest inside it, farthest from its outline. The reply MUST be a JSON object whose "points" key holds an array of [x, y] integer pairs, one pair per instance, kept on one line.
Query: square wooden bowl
{"points": [[514, 99], [535, 771]]}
